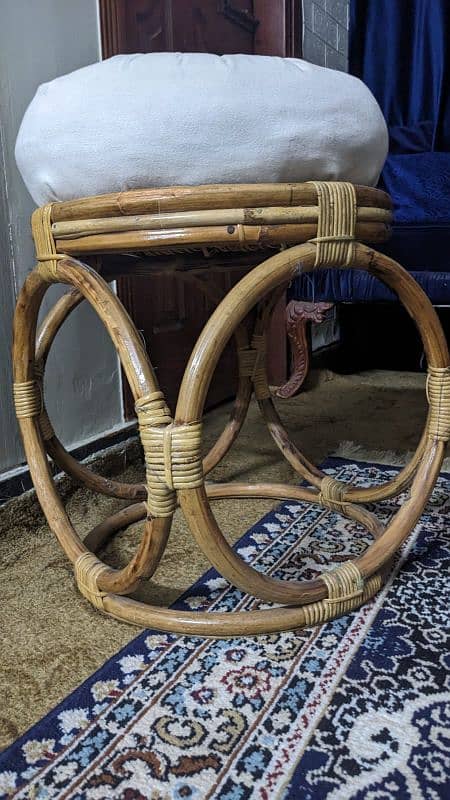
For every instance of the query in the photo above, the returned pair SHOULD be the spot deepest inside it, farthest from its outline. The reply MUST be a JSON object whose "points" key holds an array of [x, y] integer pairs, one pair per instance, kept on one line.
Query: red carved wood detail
{"points": [[299, 313]]}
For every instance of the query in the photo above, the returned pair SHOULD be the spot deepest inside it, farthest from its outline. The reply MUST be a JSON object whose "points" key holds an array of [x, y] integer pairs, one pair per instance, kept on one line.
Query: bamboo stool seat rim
{"points": [[210, 219], [153, 200]]}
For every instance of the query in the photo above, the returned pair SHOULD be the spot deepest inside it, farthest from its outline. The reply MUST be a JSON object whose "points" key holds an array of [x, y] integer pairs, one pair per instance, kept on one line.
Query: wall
{"points": [[8, 443], [39, 41], [325, 33]]}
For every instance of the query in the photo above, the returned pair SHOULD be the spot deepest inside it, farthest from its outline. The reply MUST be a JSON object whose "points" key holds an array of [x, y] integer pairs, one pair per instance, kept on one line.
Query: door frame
{"points": [[283, 39]]}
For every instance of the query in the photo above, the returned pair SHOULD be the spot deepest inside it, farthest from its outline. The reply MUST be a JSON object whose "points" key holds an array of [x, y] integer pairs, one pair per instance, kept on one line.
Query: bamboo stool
{"points": [[276, 231]]}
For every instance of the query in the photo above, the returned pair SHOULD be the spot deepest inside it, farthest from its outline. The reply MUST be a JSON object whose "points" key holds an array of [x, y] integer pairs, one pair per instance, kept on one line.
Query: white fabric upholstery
{"points": [[164, 119]]}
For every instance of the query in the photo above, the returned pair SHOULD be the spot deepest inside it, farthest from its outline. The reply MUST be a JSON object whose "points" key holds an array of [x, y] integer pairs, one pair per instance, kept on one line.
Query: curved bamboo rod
{"points": [[136, 512], [220, 236], [56, 450], [282, 268], [314, 475], [98, 536], [208, 196], [142, 380], [214, 624], [266, 215], [251, 290], [399, 280], [24, 336], [106, 486], [241, 402]]}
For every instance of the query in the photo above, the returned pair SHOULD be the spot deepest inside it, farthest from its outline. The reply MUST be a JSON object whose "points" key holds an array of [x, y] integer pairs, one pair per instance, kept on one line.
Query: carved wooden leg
{"points": [[298, 314]]}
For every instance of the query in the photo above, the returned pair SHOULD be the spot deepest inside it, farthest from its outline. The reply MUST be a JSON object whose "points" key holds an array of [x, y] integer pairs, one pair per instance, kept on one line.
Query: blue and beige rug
{"points": [[358, 708]]}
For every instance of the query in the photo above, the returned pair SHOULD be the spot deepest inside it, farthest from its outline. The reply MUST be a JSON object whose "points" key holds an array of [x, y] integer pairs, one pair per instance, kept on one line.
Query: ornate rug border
{"points": [[40, 728]]}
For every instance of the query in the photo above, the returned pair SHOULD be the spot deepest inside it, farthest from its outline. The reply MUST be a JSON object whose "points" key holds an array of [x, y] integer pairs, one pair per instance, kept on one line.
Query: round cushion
{"points": [[163, 119]]}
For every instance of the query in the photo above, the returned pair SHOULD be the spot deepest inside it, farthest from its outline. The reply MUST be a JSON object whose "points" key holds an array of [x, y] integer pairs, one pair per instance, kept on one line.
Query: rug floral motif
{"points": [[356, 709]]}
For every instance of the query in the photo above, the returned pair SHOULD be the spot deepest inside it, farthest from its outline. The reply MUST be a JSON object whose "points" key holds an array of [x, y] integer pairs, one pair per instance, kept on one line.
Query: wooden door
{"points": [[169, 313]]}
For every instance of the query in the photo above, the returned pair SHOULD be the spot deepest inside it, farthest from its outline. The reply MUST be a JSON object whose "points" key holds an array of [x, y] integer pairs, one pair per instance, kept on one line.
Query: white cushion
{"points": [[165, 119]]}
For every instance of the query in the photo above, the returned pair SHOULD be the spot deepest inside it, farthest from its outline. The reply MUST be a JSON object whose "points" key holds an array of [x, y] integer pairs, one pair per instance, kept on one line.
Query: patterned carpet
{"points": [[354, 709]]}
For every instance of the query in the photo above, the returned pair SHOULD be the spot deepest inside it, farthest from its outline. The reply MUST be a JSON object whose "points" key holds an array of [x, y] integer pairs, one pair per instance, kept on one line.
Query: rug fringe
{"points": [[394, 458]]}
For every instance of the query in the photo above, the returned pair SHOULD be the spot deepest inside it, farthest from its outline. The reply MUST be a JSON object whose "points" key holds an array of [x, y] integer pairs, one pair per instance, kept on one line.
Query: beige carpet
{"points": [[52, 639]]}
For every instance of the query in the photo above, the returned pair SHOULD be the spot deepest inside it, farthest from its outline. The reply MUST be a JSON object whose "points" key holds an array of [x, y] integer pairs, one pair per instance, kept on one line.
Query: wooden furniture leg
{"points": [[299, 315]]}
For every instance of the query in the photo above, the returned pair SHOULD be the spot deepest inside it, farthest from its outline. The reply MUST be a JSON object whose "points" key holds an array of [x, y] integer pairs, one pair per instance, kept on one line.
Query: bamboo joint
{"points": [[172, 454], [438, 396]]}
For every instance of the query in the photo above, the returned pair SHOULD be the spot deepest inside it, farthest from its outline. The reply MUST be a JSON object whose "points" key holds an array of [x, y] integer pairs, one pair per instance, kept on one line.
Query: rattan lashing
{"points": [[28, 399], [46, 254], [332, 492], [252, 364], [438, 395], [172, 454], [336, 224], [87, 569], [312, 225], [346, 591]]}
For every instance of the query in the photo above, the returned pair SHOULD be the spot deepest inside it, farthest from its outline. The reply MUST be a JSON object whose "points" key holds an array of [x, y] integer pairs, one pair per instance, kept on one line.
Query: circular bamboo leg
{"points": [[250, 291], [142, 380], [106, 486], [313, 474], [56, 450]]}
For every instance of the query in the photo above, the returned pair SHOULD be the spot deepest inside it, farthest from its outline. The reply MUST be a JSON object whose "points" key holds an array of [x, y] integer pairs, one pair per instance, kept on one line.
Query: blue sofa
{"points": [[419, 185], [401, 50]]}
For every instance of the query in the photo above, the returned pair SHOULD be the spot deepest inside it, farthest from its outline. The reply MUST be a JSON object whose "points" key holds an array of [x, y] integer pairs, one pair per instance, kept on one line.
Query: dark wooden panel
{"points": [[148, 26], [171, 325], [279, 29], [215, 26], [212, 26]]}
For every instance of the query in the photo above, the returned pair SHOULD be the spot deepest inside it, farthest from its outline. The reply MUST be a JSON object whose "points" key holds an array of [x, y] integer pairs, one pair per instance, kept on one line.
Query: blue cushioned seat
{"points": [[419, 184], [401, 51]]}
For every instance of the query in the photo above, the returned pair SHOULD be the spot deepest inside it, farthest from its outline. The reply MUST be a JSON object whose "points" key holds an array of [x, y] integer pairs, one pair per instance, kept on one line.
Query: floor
{"points": [[52, 639]]}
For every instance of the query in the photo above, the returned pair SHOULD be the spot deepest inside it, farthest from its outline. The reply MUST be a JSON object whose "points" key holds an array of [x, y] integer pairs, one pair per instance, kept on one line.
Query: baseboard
{"points": [[16, 483]]}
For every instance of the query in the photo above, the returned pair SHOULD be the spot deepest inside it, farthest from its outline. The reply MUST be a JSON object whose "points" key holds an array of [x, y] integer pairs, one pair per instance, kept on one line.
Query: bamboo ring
{"points": [[86, 476], [126, 338], [250, 291]]}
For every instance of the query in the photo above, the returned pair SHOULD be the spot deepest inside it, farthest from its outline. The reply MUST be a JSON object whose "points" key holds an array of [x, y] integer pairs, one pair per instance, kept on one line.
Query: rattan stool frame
{"points": [[312, 225]]}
